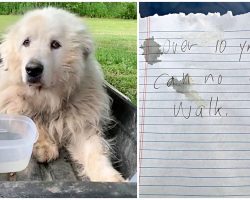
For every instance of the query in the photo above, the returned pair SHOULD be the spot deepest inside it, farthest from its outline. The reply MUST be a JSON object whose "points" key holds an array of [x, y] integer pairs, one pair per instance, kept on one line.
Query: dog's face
{"points": [[42, 46], [48, 48]]}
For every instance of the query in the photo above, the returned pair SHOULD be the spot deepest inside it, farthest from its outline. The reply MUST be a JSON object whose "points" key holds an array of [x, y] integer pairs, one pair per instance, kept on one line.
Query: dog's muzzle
{"points": [[34, 70]]}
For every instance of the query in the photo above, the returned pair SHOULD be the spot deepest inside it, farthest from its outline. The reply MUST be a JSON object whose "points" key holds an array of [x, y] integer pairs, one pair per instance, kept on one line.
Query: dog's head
{"points": [[47, 48]]}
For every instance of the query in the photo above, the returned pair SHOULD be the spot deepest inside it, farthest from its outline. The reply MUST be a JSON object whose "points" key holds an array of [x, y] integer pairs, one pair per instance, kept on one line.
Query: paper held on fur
{"points": [[194, 76]]}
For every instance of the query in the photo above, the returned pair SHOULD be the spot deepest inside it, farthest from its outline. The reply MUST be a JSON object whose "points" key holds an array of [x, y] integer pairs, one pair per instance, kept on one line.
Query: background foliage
{"points": [[122, 10]]}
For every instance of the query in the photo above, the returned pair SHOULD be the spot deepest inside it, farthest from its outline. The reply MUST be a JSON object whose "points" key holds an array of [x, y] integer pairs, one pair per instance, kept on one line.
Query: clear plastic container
{"points": [[17, 136]]}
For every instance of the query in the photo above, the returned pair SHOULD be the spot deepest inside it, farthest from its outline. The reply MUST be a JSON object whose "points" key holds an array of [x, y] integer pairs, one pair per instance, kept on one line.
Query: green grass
{"points": [[115, 41]]}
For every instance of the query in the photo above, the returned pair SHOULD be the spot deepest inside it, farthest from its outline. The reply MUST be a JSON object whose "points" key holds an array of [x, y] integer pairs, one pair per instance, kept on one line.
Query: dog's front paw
{"points": [[115, 178], [109, 175], [45, 151]]}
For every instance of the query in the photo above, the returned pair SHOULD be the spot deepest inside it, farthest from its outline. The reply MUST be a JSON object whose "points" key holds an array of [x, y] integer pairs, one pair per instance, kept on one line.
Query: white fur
{"points": [[70, 106]]}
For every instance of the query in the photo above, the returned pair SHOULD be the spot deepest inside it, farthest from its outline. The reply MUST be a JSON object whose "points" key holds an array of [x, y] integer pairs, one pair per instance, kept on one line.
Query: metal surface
{"points": [[67, 189]]}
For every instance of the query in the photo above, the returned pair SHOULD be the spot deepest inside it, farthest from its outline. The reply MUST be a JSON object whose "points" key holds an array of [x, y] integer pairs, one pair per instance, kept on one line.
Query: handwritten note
{"points": [[194, 77]]}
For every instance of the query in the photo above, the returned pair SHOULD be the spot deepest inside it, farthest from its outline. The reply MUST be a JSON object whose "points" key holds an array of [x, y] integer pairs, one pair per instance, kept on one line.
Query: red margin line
{"points": [[144, 98]]}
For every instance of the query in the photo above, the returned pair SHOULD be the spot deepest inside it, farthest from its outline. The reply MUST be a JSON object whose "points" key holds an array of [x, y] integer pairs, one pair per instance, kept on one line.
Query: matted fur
{"points": [[70, 105]]}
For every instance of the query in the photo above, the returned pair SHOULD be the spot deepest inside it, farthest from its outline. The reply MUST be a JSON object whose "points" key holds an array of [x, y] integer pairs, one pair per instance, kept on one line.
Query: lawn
{"points": [[115, 41]]}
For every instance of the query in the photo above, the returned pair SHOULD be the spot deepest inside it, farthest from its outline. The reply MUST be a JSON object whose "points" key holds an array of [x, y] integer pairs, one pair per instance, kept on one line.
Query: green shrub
{"points": [[123, 10]]}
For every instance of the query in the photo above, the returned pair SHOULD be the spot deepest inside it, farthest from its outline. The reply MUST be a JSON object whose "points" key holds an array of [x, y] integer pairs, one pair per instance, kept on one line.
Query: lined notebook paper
{"points": [[194, 78]]}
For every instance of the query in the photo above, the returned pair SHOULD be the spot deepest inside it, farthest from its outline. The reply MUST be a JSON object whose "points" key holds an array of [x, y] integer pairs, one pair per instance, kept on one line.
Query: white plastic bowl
{"points": [[17, 136]]}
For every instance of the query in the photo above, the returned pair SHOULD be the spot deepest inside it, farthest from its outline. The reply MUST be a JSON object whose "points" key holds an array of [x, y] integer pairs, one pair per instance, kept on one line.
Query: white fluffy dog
{"points": [[50, 74]]}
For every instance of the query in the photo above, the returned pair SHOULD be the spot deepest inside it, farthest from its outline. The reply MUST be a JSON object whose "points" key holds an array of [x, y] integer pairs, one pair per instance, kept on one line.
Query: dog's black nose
{"points": [[34, 69]]}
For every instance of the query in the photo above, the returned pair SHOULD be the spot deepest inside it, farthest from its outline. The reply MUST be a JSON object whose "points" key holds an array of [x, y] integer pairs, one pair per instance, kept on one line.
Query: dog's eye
{"points": [[26, 42], [55, 44]]}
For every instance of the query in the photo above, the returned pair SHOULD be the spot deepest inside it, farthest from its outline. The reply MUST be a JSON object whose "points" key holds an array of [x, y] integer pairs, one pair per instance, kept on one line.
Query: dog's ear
{"points": [[87, 46], [82, 38], [2, 66], [1, 58]]}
